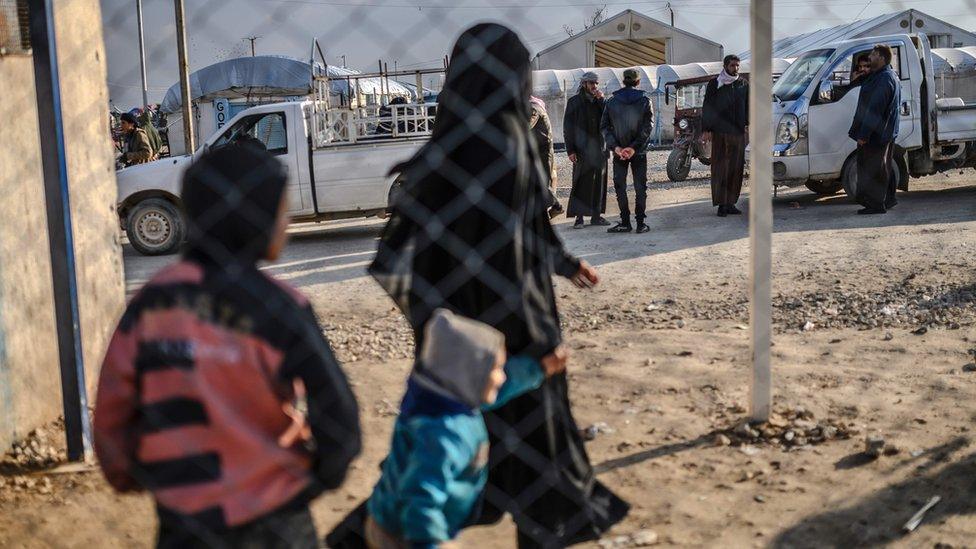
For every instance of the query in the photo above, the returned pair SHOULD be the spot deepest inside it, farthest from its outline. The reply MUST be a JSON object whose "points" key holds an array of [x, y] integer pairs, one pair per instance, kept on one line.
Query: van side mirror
{"points": [[826, 93]]}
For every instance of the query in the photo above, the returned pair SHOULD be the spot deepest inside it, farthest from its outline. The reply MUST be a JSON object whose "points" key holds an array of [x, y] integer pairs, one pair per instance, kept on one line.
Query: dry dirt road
{"points": [[875, 322]]}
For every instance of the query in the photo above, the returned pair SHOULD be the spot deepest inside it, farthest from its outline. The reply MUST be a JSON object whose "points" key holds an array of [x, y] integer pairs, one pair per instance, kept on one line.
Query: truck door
{"points": [[909, 128], [830, 118], [270, 130]]}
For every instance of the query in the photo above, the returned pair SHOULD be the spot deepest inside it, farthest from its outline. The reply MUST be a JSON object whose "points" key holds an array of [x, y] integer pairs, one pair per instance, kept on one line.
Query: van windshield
{"points": [[798, 76]]}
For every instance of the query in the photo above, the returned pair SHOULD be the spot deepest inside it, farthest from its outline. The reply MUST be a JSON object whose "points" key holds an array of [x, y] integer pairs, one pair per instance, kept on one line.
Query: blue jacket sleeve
{"points": [[437, 457], [523, 375]]}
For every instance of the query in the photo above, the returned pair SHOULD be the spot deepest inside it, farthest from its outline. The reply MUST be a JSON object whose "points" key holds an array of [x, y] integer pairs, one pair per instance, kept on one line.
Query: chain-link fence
{"points": [[221, 396]]}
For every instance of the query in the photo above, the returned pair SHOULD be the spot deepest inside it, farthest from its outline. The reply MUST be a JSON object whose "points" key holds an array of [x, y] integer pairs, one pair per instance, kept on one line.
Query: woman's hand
{"points": [[586, 277], [555, 362]]}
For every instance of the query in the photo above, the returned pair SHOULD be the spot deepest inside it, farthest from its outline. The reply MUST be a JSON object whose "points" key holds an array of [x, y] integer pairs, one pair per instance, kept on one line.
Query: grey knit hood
{"points": [[457, 357]]}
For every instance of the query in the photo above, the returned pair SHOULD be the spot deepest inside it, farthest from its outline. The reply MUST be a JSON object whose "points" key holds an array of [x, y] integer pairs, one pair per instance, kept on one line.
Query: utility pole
{"points": [[761, 206], [47, 87], [188, 140], [343, 61], [253, 39], [672, 13], [142, 56]]}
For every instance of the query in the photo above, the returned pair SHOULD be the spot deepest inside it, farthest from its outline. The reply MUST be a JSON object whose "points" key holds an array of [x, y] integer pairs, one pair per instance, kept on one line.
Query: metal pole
{"points": [[47, 85], [760, 204], [188, 138], [142, 55]]}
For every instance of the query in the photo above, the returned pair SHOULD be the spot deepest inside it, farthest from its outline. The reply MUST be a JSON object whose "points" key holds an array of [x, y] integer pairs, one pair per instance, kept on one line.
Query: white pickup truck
{"points": [[333, 173], [811, 119]]}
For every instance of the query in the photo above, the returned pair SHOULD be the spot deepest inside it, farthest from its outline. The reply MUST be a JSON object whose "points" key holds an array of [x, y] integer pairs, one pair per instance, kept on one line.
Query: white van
{"points": [[811, 146]]}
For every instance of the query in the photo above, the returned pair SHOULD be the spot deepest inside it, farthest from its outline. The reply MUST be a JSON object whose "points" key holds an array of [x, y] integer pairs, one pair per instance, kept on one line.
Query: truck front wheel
{"points": [[155, 227], [825, 188], [849, 176]]}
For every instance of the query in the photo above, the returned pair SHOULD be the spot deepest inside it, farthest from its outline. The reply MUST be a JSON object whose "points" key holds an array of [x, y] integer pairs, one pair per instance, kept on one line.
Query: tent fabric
{"points": [[551, 83], [792, 46], [956, 60], [265, 75]]}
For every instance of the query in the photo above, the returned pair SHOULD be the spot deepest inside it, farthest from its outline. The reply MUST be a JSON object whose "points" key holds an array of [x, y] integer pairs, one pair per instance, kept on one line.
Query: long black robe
{"points": [[581, 132], [470, 233]]}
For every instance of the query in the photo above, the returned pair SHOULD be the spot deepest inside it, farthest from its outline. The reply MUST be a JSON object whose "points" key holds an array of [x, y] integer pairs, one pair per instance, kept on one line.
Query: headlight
{"points": [[788, 130], [683, 123]]}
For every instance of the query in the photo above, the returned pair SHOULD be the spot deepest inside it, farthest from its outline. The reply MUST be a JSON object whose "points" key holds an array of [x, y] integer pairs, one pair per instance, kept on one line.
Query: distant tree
{"points": [[591, 21]]}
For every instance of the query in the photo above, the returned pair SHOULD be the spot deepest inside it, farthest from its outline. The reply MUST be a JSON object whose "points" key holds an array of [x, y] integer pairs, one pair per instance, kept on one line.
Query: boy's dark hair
{"points": [[884, 50], [128, 117], [730, 58]]}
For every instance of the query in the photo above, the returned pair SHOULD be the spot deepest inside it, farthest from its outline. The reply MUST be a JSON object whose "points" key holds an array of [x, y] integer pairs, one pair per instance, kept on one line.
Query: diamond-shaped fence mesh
{"points": [[221, 396]]}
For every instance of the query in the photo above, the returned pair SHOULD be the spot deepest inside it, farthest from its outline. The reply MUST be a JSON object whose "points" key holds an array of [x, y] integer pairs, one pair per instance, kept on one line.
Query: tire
{"points": [[155, 227], [678, 167], [825, 188], [849, 175]]}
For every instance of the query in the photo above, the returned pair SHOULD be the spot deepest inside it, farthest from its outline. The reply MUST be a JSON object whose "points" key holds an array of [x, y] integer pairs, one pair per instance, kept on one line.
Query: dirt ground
{"points": [[875, 324]]}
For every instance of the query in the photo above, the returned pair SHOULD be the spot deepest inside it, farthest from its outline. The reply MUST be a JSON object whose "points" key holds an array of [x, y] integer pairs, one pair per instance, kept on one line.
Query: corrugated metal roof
{"points": [[792, 46]]}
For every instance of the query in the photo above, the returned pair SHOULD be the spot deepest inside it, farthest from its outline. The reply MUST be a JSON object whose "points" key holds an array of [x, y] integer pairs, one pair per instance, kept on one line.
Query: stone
{"points": [[874, 445], [809, 326], [971, 367], [760, 498], [888, 336], [743, 429], [722, 440], [645, 538], [829, 432]]}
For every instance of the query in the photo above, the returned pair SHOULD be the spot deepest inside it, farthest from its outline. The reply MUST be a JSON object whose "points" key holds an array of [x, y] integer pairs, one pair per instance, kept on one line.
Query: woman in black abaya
{"points": [[470, 233]]}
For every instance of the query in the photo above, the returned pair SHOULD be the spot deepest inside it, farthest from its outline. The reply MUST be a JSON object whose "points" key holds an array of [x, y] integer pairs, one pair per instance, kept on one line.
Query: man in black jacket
{"points": [[725, 121], [875, 128], [626, 127]]}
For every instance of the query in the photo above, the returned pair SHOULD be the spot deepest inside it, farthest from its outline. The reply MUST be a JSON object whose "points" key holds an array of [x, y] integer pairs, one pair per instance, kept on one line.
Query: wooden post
{"points": [[184, 66], [760, 205]]}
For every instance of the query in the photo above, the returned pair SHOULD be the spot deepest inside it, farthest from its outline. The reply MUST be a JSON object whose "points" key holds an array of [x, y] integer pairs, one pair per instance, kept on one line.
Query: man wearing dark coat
{"points": [[875, 128], [587, 152], [725, 121]]}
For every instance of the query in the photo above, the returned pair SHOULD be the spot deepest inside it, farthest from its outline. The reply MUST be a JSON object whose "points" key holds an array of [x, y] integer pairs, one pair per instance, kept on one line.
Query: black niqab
{"points": [[469, 232]]}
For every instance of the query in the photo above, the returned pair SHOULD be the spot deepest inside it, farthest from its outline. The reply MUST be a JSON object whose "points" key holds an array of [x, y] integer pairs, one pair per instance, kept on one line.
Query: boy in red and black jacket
{"points": [[196, 396]]}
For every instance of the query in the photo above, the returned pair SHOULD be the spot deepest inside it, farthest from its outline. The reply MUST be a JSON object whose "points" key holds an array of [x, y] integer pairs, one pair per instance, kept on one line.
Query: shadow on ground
{"points": [[878, 519]]}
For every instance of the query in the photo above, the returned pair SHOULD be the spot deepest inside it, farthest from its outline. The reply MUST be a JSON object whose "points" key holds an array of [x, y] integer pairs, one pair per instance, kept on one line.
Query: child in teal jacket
{"points": [[437, 467]]}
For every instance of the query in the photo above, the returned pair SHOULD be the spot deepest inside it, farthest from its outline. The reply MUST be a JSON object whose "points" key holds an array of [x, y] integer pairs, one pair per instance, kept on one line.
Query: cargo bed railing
{"points": [[371, 107]]}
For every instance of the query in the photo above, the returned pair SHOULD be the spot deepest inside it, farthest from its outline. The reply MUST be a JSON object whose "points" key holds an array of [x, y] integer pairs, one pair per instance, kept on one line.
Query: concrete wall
{"points": [[580, 51], [30, 392]]}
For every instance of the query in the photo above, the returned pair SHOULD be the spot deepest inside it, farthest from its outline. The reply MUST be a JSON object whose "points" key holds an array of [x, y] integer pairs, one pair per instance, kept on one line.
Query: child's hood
{"points": [[457, 357]]}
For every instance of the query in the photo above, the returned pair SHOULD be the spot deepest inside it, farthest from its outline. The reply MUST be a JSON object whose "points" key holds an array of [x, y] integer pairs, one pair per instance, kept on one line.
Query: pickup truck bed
{"points": [[956, 120]]}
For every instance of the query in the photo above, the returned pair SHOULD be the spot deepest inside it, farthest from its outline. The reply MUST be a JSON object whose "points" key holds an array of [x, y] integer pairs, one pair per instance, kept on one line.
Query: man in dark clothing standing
{"points": [[137, 148], [875, 129], [626, 127], [725, 121], [587, 152]]}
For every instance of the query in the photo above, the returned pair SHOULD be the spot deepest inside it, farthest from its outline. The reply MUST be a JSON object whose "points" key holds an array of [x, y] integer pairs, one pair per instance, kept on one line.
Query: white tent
{"points": [[556, 86]]}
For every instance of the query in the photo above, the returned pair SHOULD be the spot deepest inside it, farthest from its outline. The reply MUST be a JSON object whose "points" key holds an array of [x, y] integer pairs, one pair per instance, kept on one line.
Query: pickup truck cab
{"points": [[328, 178], [812, 114]]}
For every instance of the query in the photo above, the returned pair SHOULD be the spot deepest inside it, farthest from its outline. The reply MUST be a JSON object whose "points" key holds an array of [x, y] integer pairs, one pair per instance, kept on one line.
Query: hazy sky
{"points": [[420, 32]]}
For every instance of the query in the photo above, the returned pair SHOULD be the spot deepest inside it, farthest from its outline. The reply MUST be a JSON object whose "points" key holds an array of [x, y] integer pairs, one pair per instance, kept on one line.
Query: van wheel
{"points": [[825, 188], [395, 191], [155, 227], [849, 176], [678, 165]]}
